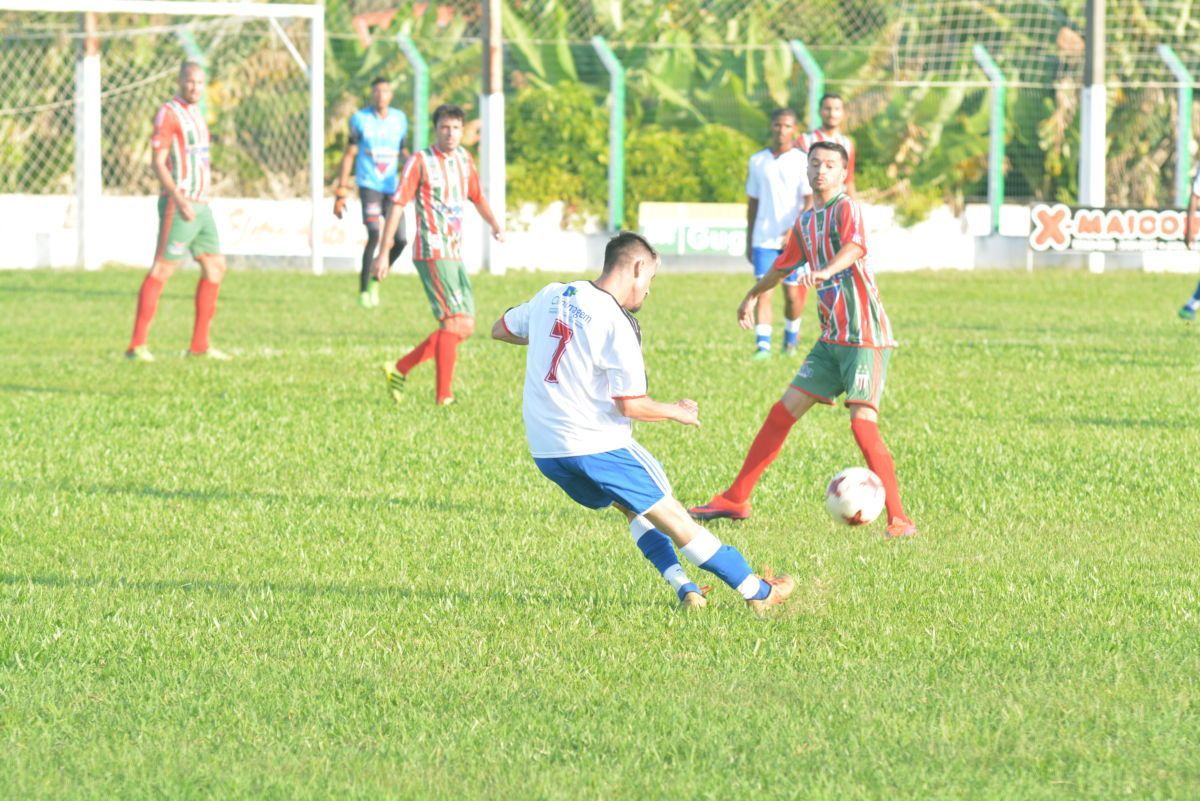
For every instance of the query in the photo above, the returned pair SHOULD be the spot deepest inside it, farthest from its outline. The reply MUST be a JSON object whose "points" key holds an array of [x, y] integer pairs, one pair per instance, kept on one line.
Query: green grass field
{"points": [[263, 579]]}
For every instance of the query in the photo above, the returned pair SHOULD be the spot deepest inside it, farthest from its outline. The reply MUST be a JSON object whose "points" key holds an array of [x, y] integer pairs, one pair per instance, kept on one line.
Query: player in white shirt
{"points": [[1188, 310], [777, 190], [585, 382]]}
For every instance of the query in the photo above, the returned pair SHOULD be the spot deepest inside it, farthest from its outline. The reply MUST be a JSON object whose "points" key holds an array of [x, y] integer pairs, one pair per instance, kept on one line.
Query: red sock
{"points": [[146, 307], [447, 355], [421, 353], [766, 446], [879, 459], [206, 307]]}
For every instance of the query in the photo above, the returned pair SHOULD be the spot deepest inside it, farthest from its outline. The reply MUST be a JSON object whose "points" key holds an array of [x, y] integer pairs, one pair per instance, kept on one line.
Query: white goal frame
{"points": [[87, 116]]}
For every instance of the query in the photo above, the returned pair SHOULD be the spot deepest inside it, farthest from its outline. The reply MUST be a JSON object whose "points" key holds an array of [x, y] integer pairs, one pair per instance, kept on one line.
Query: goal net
{"points": [[80, 82]]}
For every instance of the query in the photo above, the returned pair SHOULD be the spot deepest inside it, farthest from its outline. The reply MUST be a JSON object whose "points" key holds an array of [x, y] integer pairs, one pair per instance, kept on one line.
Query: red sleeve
{"points": [[850, 226], [409, 181], [850, 163], [793, 252], [166, 127]]}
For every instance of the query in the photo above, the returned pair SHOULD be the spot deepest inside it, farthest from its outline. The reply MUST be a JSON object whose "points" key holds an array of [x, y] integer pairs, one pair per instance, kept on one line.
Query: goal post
{"points": [[267, 38]]}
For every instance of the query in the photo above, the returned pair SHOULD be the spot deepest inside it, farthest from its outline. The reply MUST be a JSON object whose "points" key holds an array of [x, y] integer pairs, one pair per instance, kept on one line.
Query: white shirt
{"points": [[585, 352], [780, 186]]}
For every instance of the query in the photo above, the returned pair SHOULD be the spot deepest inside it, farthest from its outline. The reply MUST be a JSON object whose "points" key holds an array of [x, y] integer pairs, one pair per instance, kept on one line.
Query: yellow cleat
{"points": [[395, 382], [211, 353]]}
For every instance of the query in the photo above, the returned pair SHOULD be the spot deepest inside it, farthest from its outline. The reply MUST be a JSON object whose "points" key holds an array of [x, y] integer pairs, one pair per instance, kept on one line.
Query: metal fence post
{"points": [[997, 120], [616, 133], [1183, 134], [816, 81], [420, 68]]}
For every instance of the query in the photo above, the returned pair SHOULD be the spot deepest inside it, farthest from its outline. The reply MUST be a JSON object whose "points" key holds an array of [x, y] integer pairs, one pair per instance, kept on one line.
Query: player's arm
{"points": [[410, 179], [341, 188], [1189, 222], [513, 326], [475, 193], [791, 257], [751, 216], [850, 231], [390, 226], [500, 331], [160, 151], [647, 410]]}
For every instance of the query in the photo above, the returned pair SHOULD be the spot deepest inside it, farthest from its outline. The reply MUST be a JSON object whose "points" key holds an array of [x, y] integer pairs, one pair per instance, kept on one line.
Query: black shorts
{"points": [[376, 206]]}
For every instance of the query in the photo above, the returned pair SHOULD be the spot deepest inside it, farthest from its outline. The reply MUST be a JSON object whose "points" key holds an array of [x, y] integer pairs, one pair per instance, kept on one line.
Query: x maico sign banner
{"points": [[1058, 227]]}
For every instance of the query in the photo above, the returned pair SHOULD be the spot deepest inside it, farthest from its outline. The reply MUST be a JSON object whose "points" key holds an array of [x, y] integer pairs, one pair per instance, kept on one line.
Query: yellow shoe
{"points": [[395, 382], [782, 588]]}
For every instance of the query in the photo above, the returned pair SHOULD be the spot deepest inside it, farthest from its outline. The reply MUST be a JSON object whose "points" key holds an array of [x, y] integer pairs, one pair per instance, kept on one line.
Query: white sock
{"points": [[792, 325]]}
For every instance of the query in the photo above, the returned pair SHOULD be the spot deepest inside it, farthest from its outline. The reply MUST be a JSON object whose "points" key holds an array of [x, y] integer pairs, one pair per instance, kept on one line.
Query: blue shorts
{"points": [[764, 258], [628, 476]]}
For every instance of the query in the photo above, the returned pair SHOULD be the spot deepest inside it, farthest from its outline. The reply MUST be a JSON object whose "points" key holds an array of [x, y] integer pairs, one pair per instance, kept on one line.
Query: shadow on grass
{"points": [[383, 502], [560, 597]]}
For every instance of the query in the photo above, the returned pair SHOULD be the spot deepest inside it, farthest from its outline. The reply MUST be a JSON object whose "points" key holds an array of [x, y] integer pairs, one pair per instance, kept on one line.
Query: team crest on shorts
{"points": [[862, 379], [176, 248], [806, 370]]}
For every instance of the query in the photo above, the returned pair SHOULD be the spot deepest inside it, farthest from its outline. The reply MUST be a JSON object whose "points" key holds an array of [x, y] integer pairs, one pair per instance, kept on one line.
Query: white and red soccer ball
{"points": [[855, 497]]}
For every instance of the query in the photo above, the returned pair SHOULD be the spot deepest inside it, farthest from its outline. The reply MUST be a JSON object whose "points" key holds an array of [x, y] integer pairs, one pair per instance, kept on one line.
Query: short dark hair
{"points": [[190, 64], [831, 96], [378, 80], [835, 147], [784, 112], [624, 246], [448, 110]]}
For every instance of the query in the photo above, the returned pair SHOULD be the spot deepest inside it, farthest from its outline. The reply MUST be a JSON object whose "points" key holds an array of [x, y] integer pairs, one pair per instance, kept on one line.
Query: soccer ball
{"points": [[855, 497]]}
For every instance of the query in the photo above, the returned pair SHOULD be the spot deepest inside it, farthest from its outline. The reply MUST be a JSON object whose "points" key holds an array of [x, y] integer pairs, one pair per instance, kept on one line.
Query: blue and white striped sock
{"points": [[762, 336], [657, 547], [707, 553], [1194, 303], [791, 333]]}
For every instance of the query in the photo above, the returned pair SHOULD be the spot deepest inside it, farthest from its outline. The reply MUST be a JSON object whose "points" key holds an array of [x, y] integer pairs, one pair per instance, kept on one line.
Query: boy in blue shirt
{"points": [[377, 151]]}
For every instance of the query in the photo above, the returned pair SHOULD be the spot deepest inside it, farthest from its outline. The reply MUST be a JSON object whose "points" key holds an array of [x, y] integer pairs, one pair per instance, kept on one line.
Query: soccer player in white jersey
{"points": [[777, 191], [1188, 310], [585, 382]]}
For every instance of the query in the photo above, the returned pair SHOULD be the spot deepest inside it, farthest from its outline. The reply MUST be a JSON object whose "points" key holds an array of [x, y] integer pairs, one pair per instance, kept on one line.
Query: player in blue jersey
{"points": [[377, 150]]}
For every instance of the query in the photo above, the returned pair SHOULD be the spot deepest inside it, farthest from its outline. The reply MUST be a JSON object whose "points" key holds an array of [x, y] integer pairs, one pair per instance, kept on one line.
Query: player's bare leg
{"points": [[659, 551], [864, 423], [212, 273], [794, 296], [734, 503], [147, 307], [763, 317], [707, 552]]}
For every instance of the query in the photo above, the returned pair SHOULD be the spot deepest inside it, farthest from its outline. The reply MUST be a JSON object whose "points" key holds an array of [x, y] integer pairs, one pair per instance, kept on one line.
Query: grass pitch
{"points": [[262, 579]]}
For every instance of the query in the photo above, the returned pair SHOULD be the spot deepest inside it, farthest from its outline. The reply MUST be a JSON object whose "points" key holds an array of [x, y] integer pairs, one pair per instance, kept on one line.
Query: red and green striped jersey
{"points": [[441, 184], [807, 140], [180, 127], [848, 303]]}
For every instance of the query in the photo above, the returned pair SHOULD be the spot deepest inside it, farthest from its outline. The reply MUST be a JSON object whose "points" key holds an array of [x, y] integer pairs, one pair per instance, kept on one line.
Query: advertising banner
{"points": [[1059, 227]]}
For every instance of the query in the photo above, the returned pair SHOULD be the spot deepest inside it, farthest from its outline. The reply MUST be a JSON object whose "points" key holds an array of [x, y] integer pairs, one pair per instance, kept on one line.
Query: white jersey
{"points": [[779, 184], [585, 353]]}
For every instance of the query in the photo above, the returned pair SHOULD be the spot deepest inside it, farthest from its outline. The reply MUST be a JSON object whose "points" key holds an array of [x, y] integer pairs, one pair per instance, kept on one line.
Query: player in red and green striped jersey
{"points": [[833, 117], [828, 243], [439, 180], [180, 158]]}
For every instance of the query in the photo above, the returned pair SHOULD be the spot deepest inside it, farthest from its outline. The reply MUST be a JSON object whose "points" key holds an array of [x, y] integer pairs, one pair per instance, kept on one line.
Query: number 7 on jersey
{"points": [[561, 332]]}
